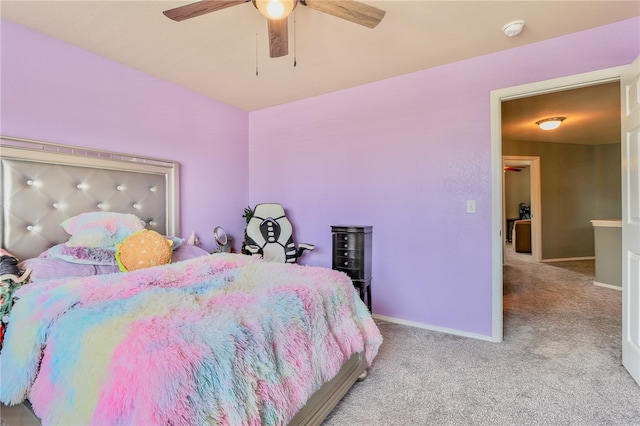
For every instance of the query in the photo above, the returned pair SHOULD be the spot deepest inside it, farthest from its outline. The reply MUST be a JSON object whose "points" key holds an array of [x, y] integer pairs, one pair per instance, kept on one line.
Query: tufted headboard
{"points": [[43, 184]]}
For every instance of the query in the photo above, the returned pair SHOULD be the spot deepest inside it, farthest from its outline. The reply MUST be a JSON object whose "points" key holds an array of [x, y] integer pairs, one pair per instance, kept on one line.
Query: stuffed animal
{"points": [[143, 249]]}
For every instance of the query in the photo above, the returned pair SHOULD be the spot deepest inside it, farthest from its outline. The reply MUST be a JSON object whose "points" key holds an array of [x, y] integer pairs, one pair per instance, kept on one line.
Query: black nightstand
{"points": [[352, 255]]}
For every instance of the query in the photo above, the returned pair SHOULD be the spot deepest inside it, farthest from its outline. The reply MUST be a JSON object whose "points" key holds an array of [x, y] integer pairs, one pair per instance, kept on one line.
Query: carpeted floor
{"points": [[559, 364]]}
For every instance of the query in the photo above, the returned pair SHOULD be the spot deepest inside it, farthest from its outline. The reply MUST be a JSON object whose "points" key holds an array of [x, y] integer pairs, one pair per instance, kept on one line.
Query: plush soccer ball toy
{"points": [[143, 249]]}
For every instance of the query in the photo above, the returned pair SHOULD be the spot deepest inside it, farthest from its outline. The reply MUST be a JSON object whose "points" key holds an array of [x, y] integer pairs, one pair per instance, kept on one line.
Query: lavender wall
{"points": [[54, 92], [404, 155]]}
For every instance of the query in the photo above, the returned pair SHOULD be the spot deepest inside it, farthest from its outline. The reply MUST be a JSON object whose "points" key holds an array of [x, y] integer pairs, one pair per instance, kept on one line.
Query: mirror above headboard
{"points": [[44, 184]]}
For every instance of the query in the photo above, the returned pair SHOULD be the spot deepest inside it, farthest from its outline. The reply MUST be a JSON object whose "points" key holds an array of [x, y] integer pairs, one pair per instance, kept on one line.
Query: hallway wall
{"points": [[578, 183]]}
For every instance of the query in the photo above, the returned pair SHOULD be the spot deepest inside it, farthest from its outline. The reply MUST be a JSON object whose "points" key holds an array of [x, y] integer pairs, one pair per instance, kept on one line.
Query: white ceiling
{"points": [[219, 54]]}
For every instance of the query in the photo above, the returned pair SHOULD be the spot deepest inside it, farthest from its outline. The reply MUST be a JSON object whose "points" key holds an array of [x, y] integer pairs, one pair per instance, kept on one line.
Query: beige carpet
{"points": [[559, 364]]}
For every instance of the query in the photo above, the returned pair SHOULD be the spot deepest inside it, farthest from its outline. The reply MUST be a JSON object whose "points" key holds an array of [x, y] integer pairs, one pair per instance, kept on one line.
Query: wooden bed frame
{"points": [[43, 184]]}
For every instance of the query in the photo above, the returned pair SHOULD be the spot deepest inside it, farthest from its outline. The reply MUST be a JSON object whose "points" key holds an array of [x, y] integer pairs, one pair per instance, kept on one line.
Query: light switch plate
{"points": [[471, 206]]}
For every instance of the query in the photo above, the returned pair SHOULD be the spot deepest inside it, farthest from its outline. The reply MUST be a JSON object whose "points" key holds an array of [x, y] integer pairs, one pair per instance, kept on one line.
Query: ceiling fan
{"points": [[277, 11]]}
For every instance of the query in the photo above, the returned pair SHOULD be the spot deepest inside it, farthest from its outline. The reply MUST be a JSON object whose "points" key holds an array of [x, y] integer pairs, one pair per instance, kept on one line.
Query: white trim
{"points": [[612, 287], [607, 223], [568, 259], [497, 233], [496, 99], [453, 331]]}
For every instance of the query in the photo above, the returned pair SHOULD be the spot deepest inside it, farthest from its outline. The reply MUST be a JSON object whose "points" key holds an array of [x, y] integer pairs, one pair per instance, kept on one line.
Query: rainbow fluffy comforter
{"points": [[220, 339]]}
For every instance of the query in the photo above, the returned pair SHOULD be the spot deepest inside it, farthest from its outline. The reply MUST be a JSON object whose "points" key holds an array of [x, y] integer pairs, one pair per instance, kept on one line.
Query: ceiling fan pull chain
{"points": [[295, 52], [256, 53]]}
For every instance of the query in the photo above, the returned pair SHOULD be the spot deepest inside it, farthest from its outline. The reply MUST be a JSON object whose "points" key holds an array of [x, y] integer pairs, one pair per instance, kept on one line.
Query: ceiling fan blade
{"points": [[350, 10], [278, 37], [199, 8]]}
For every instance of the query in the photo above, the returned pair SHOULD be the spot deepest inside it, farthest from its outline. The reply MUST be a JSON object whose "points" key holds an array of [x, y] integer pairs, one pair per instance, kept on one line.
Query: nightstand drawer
{"points": [[348, 241], [349, 254], [347, 262]]}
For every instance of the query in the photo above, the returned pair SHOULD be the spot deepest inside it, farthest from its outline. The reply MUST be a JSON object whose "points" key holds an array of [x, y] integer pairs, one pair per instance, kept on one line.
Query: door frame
{"points": [[496, 98], [536, 210]]}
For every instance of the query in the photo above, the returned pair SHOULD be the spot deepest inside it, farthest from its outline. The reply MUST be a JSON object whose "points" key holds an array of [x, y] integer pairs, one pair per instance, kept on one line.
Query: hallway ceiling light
{"points": [[550, 123]]}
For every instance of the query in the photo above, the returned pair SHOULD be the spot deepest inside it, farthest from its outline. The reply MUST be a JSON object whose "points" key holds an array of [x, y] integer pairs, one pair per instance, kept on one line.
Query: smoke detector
{"points": [[513, 28]]}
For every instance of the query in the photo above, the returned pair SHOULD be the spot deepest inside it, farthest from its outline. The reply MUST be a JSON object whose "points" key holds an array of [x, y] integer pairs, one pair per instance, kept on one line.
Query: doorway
{"points": [[497, 97], [531, 165]]}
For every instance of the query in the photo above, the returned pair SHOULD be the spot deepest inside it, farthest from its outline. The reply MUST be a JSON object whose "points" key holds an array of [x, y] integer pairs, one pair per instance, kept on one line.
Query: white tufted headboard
{"points": [[43, 184]]}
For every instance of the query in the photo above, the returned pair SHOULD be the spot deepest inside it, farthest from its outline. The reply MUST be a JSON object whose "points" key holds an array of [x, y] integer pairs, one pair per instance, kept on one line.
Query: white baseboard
{"points": [[435, 328], [613, 287], [568, 259]]}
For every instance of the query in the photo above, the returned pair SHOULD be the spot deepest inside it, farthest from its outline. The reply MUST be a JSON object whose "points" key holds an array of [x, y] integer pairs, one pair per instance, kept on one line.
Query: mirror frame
{"points": [[220, 236]]}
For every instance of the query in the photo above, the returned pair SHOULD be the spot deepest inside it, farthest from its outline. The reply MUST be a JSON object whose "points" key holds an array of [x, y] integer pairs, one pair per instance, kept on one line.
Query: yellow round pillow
{"points": [[143, 249]]}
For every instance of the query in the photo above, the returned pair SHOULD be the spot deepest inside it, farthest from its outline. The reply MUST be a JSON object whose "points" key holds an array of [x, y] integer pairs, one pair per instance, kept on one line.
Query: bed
{"points": [[200, 339]]}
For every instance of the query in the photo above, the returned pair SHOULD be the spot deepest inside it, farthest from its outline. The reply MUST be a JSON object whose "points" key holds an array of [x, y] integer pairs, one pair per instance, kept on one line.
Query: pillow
{"points": [[186, 252], [175, 242], [50, 268], [101, 229], [143, 249], [83, 255]]}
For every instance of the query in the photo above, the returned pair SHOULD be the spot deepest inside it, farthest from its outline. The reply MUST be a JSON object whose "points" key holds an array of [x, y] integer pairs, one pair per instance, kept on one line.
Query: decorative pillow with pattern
{"points": [[101, 229], [82, 255]]}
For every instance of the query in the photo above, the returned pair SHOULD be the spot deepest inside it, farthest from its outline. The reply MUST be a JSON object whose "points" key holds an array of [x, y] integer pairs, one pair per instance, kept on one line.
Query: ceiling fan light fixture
{"points": [[512, 169], [550, 123], [275, 9]]}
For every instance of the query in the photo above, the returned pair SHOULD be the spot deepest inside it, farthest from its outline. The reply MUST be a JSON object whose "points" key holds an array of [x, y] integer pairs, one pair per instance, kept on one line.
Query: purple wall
{"points": [[54, 92], [404, 155]]}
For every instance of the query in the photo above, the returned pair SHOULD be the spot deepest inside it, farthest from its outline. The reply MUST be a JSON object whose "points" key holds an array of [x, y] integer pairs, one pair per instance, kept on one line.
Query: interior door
{"points": [[630, 151]]}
